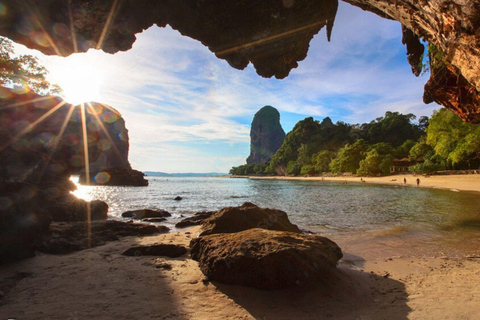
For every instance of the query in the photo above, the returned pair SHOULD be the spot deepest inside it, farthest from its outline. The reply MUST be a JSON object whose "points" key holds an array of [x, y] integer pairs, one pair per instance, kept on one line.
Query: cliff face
{"points": [[454, 27], [266, 135], [273, 35], [43, 136], [41, 145]]}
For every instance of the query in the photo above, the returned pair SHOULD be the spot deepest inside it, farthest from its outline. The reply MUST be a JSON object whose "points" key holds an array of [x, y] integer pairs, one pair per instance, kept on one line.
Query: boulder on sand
{"points": [[195, 220], [146, 214], [168, 250], [247, 216], [265, 259]]}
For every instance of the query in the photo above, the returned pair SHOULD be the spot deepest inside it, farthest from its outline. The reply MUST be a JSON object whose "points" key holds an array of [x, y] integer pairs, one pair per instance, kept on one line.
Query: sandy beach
{"points": [[100, 283], [468, 182]]}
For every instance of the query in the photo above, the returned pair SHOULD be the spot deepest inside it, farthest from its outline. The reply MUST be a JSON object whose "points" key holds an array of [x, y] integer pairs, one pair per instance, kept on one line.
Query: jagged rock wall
{"points": [[266, 135], [273, 35], [43, 136], [454, 27], [41, 145]]}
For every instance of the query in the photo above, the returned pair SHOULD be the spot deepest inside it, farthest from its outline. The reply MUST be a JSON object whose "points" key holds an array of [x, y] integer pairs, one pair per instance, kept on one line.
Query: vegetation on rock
{"points": [[371, 149]]}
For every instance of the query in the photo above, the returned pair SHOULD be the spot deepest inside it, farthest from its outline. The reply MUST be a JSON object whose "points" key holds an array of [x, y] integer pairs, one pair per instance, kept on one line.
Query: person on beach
{"points": [[418, 182], [404, 180]]}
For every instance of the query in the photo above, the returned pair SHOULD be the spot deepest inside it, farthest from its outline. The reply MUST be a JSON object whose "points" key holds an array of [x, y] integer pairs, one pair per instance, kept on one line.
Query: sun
{"points": [[80, 78]]}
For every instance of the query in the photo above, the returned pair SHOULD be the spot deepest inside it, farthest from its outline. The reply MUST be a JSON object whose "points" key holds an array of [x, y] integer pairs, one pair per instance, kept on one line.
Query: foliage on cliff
{"points": [[314, 148]]}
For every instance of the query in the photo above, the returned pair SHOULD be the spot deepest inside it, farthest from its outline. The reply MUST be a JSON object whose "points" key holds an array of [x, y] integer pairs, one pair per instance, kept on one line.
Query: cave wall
{"points": [[454, 27], [273, 35]]}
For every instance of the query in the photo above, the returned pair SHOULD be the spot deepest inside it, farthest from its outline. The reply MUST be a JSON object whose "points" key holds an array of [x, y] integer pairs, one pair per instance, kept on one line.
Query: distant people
{"points": [[418, 182], [404, 180]]}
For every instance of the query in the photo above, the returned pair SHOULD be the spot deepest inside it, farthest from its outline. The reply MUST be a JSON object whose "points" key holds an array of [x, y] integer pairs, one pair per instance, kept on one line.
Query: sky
{"points": [[187, 111]]}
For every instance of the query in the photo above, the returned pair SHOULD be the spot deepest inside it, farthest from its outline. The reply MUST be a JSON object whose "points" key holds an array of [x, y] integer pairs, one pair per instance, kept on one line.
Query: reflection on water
{"points": [[373, 219]]}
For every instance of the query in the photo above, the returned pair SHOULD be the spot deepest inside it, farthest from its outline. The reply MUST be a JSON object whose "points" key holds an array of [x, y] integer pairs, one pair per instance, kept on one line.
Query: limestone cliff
{"points": [[43, 136], [41, 145], [266, 135], [273, 35]]}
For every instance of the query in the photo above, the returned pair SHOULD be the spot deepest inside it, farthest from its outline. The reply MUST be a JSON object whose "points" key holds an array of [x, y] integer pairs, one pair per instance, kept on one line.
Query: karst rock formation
{"points": [[273, 35], [266, 135]]}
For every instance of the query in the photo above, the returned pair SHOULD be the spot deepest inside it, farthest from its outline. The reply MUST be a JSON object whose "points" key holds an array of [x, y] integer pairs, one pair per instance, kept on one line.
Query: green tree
{"points": [[349, 157], [23, 70], [420, 149], [452, 139], [293, 168], [403, 151], [307, 169], [322, 159], [394, 128]]}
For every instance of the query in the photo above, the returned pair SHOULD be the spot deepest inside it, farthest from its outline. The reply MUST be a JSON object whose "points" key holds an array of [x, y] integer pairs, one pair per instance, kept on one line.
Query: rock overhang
{"points": [[273, 35]]}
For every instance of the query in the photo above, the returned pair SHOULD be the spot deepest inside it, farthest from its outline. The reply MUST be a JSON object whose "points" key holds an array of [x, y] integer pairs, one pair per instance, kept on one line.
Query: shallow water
{"points": [[375, 220]]}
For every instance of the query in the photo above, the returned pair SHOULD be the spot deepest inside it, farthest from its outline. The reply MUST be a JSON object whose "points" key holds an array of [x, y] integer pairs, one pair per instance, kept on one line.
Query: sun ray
{"points": [[87, 172], [57, 139], [21, 103], [102, 126], [107, 25], [45, 33], [270, 38], [72, 27], [32, 125]]}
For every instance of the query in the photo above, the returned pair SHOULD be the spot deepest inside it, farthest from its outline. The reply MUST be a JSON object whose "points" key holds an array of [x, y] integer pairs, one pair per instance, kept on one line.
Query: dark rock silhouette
{"points": [[266, 135], [66, 237], [168, 250], [146, 213], [41, 146], [247, 216], [197, 219], [265, 259]]}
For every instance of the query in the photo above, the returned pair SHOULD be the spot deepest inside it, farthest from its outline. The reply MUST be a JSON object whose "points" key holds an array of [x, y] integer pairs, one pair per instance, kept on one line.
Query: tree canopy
{"points": [[452, 139], [23, 70], [443, 141]]}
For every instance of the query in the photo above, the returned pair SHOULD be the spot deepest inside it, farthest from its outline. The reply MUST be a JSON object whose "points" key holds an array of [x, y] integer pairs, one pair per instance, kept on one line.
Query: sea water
{"points": [[364, 217]]}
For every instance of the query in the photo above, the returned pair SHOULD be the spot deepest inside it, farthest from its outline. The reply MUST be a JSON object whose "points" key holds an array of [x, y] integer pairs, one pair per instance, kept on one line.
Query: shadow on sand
{"points": [[347, 294]]}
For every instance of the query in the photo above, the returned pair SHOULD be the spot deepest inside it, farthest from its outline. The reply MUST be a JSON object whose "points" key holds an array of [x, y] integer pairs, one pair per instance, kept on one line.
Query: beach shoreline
{"points": [[101, 283], [460, 182]]}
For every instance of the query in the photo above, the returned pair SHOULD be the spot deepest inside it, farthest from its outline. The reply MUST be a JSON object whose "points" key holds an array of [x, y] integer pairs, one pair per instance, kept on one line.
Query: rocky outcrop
{"points": [[265, 259], [68, 237], [272, 35], [244, 217], [114, 177], [454, 27], [197, 219], [166, 250], [146, 214], [41, 145], [266, 135]]}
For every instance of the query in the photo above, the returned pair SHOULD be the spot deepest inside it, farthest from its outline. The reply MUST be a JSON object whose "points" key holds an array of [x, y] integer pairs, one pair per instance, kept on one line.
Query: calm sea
{"points": [[368, 219]]}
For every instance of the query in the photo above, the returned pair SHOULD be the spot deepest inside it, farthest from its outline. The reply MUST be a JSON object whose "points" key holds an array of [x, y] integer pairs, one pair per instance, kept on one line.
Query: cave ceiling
{"points": [[273, 35]]}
